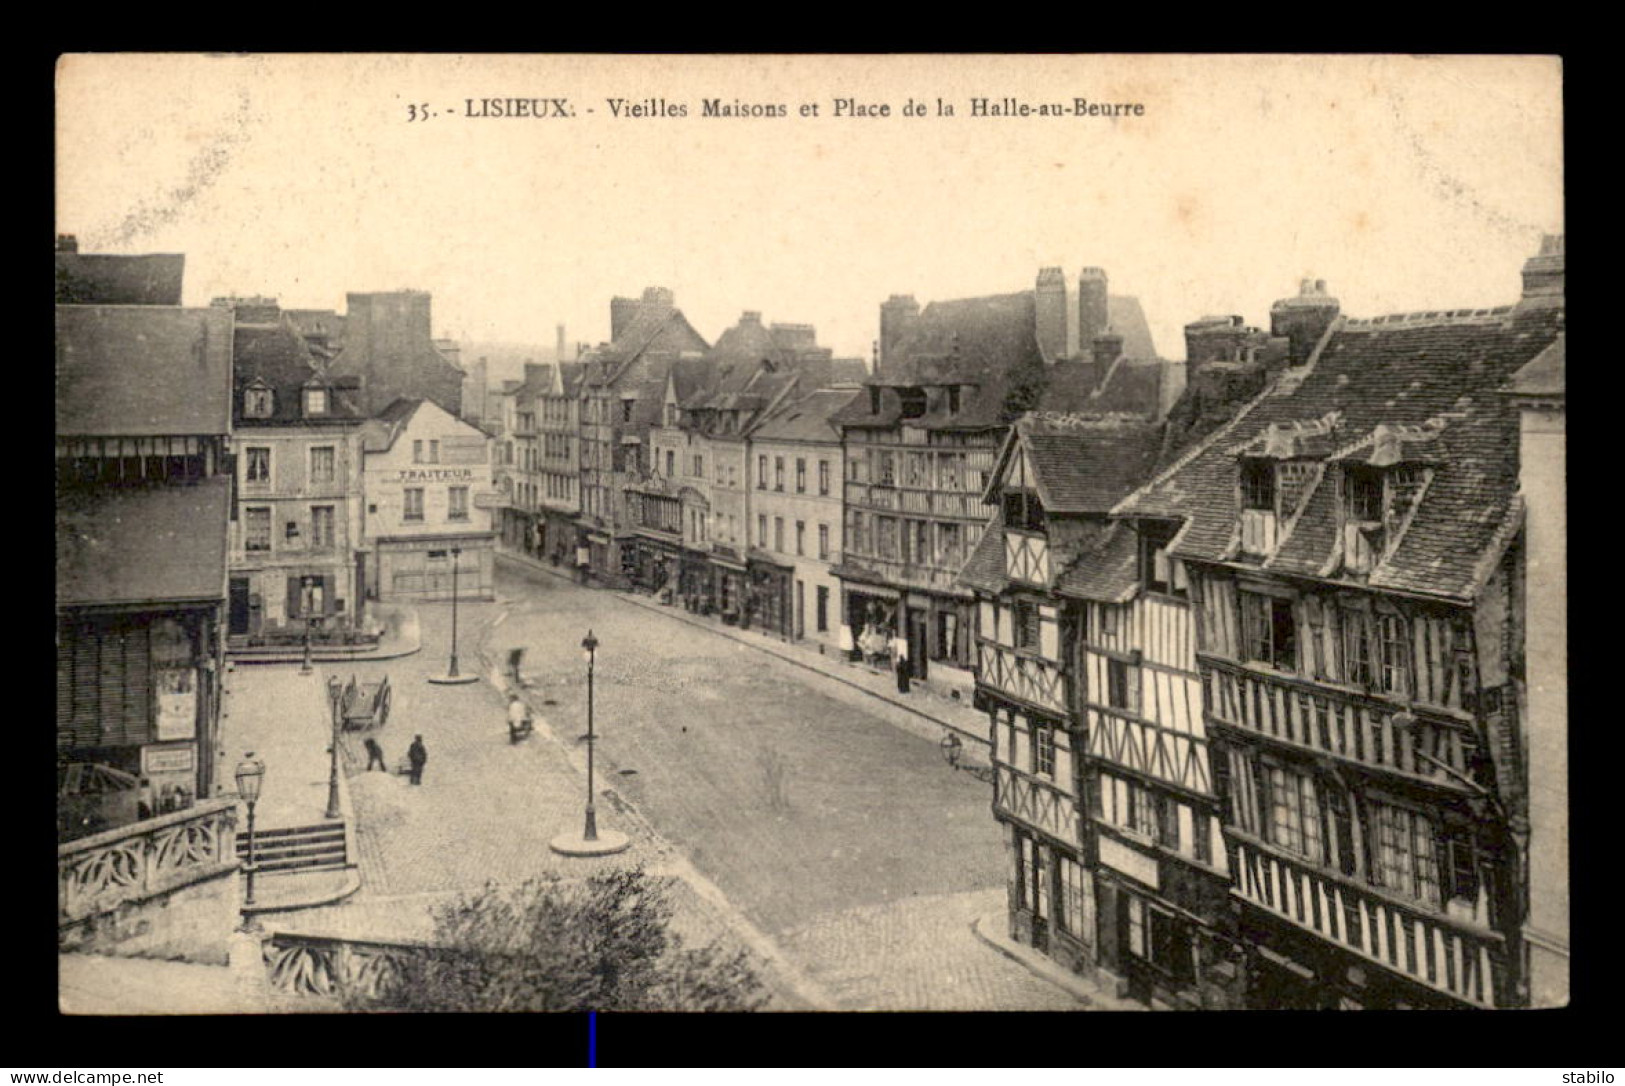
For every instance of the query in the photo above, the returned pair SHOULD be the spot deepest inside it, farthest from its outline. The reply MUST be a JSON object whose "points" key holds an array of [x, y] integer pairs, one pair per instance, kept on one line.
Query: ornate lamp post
{"points": [[451, 676], [590, 843], [590, 644], [250, 773]]}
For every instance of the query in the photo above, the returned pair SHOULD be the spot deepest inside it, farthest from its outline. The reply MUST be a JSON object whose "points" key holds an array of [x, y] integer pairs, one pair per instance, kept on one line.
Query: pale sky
{"points": [[1405, 183]]}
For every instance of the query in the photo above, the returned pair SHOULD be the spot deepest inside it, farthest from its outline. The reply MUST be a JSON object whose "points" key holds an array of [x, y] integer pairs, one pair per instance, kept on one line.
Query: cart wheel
{"points": [[383, 706]]}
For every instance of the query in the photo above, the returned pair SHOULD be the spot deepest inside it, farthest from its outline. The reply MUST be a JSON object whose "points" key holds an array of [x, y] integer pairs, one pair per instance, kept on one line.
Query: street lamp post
{"points": [[452, 676], [456, 552], [590, 842], [590, 643], [334, 694], [250, 773]]}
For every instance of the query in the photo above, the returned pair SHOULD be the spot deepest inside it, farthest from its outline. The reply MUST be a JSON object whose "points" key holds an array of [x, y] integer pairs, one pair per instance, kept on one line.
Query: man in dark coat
{"points": [[375, 754], [416, 755]]}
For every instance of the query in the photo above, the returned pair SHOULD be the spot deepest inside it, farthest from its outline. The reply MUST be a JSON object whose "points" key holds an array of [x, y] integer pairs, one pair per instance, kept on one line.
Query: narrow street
{"points": [[847, 842]]}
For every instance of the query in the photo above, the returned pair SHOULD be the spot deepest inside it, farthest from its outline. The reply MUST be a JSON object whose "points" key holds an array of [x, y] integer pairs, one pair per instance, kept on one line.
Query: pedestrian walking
{"points": [[518, 718], [375, 754], [900, 660], [416, 755]]}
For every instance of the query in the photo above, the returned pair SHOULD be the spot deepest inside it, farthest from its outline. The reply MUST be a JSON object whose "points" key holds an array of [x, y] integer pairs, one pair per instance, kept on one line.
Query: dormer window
{"points": [[912, 402], [315, 401], [953, 399], [874, 399], [1258, 485], [1023, 511], [1363, 486], [257, 403], [1158, 572]]}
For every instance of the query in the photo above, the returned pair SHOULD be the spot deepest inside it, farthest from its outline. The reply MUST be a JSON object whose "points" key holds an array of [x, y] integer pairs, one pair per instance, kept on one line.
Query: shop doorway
{"points": [[918, 642], [237, 615]]}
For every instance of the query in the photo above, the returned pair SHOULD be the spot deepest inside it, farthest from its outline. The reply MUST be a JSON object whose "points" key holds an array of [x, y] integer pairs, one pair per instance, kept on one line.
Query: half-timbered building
{"points": [[1352, 541]]}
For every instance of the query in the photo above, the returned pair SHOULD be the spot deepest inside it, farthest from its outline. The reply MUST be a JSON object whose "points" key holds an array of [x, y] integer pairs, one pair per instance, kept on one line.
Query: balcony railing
{"points": [[920, 501], [1442, 952], [1311, 717], [132, 863]]}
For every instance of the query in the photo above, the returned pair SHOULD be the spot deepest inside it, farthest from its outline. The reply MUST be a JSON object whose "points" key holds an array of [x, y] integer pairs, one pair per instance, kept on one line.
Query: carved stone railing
{"points": [[132, 863], [333, 968]]}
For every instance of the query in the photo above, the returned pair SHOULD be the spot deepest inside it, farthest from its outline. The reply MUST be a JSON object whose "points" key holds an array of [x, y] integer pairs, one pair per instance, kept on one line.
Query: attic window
{"points": [[1363, 487], [953, 399], [912, 402], [1258, 485], [257, 403], [315, 401], [1023, 511], [874, 399], [1158, 572]]}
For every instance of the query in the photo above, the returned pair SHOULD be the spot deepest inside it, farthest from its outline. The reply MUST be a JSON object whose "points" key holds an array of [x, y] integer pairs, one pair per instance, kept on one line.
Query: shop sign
{"points": [[434, 475], [172, 759], [177, 702]]}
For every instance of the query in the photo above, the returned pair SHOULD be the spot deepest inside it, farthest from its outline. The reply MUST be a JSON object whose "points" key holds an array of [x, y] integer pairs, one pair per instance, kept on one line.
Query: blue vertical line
{"points": [[592, 1038]]}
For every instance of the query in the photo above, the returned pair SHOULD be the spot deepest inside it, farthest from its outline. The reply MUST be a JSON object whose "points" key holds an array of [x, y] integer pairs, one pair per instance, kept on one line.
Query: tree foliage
{"points": [[604, 943]]}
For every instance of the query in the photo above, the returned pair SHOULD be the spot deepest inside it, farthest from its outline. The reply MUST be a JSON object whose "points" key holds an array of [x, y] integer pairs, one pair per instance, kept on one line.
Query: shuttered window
{"points": [[104, 686]]}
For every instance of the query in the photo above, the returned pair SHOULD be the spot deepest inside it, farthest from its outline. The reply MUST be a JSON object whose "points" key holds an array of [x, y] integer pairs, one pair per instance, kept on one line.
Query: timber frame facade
{"points": [[1354, 541]]}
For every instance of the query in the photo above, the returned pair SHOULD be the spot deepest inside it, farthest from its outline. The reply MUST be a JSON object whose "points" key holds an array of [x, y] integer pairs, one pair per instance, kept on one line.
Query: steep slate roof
{"points": [[1126, 386], [807, 418], [390, 422], [984, 569], [278, 356], [107, 279], [1084, 465], [1126, 317], [982, 344], [1107, 571], [642, 333], [1398, 371], [142, 371], [1544, 374], [142, 544], [847, 371]]}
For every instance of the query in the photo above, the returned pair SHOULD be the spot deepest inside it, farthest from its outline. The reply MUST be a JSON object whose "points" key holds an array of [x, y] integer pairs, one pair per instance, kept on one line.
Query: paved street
{"points": [[848, 842]]}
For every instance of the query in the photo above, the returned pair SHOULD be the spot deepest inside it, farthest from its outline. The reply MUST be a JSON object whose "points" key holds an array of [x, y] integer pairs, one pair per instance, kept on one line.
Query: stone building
{"points": [[385, 340], [430, 496], [297, 561]]}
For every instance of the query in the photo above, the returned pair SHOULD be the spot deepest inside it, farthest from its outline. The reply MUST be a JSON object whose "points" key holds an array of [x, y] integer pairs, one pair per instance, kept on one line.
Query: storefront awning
{"points": [[162, 544]]}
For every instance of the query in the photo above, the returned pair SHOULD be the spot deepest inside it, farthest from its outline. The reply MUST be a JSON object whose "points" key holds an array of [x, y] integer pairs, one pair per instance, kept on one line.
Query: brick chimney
{"points": [[1543, 273], [1107, 348], [898, 315], [1304, 319], [621, 312], [1049, 297], [1092, 308], [658, 296], [750, 316]]}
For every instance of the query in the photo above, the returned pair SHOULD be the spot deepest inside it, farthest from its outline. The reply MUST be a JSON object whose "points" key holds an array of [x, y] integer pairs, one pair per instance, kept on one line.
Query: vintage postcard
{"points": [[820, 533]]}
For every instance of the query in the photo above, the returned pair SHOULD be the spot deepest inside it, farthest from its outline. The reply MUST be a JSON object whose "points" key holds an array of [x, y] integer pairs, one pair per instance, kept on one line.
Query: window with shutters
{"points": [[104, 684]]}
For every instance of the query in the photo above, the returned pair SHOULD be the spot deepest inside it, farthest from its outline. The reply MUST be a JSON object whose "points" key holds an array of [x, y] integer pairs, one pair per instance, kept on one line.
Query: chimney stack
{"points": [[898, 315], [621, 312], [558, 350], [1093, 313], [658, 296], [1049, 298], [1108, 348], [1304, 319], [1543, 273]]}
